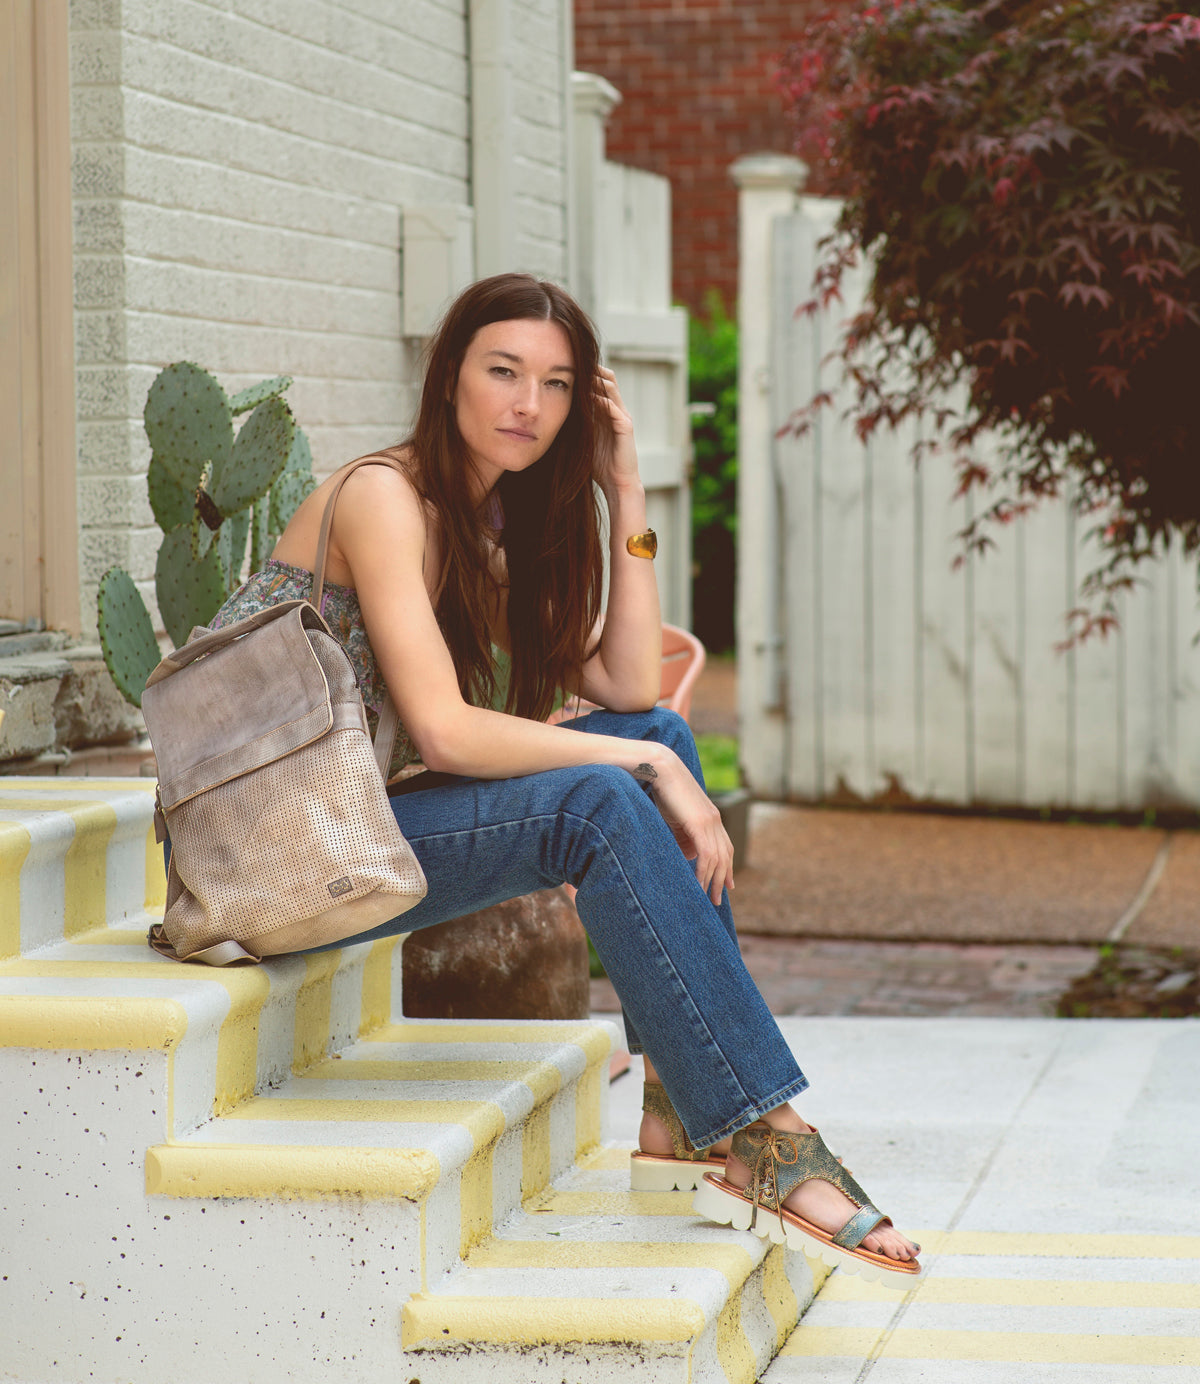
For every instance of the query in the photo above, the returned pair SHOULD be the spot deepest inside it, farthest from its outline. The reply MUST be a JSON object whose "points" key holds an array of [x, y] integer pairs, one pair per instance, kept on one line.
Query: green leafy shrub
{"points": [[712, 380], [1025, 178], [212, 491]]}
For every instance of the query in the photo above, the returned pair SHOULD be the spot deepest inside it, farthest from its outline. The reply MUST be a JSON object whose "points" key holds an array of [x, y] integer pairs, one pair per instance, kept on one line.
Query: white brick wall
{"points": [[540, 102], [240, 169]]}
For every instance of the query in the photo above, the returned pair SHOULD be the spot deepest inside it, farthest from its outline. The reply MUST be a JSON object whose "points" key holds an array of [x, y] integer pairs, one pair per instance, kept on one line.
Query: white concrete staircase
{"points": [[268, 1174]]}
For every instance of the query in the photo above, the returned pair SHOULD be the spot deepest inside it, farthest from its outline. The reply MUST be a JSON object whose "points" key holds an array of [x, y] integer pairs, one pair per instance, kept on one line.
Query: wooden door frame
{"points": [[39, 535]]}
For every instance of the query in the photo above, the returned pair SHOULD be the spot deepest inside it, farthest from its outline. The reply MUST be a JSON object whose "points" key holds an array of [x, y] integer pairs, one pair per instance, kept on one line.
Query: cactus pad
{"points": [[188, 421], [231, 544], [126, 634], [246, 399], [189, 592], [170, 499], [260, 533], [295, 483], [260, 452], [202, 537]]}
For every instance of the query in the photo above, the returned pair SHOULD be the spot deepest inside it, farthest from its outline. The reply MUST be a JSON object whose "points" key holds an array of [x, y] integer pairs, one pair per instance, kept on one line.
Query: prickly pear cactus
{"points": [[246, 399], [293, 485], [188, 422], [259, 454], [190, 592], [126, 634], [210, 492]]}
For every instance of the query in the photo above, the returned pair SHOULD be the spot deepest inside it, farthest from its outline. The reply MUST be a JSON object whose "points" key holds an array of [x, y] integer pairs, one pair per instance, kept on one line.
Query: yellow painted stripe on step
{"points": [[314, 1004], [535, 1152], [1022, 1292], [542, 1078], [14, 847], [1058, 1246], [237, 1043], [779, 1295], [735, 1354], [1008, 1347], [85, 904], [85, 862], [724, 1256], [156, 873], [256, 1170], [588, 1102], [615, 1204], [594, 1040], [482, 1119], [608, 1160], [377, 985], [734, 1351], [71, 1024], [475, 1200], [439, 1319]]}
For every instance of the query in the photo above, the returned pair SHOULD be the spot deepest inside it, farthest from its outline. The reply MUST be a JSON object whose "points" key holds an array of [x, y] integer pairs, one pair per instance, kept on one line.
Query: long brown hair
{"points": [[550, 535]]}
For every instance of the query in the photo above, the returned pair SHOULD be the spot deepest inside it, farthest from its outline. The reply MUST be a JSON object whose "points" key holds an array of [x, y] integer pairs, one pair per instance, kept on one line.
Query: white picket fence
{"points": [[871, 669]]}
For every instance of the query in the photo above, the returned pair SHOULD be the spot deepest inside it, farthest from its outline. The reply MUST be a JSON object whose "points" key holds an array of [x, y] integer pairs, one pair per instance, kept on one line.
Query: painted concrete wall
{"points": [[240, 176]]}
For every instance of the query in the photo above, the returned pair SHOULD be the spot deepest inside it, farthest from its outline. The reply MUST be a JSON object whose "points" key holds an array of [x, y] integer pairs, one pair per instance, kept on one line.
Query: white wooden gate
{"points": [[897, 678], [623, 277]]}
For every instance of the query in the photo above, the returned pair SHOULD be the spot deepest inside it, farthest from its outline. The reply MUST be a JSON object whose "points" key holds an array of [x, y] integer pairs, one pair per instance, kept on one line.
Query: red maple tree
{"points": [[1024, 179]]}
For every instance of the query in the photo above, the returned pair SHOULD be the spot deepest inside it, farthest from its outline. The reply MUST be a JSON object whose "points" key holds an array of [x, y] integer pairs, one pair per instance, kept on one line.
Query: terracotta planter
{"points": [[524, 959]]}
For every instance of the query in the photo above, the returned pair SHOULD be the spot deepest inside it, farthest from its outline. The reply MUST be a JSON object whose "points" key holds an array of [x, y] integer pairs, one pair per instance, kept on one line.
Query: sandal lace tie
{"points": [[773, 1147]]}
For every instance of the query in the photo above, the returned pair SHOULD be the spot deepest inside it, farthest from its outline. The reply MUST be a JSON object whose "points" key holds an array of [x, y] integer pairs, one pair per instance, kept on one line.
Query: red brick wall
{"points": [[697, 78]]}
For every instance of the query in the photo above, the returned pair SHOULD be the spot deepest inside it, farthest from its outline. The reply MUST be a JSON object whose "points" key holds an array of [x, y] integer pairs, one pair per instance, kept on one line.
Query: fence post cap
{"points": [[593, 94], [769, 171]]}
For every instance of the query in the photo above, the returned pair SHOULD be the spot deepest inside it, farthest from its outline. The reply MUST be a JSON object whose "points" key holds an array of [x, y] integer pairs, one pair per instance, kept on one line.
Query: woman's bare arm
{"points": [[380, 532], [625, 673]]}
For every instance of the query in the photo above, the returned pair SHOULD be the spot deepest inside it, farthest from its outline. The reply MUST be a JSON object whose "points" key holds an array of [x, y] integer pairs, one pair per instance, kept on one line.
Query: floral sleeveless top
{"points": [[279, 581]]}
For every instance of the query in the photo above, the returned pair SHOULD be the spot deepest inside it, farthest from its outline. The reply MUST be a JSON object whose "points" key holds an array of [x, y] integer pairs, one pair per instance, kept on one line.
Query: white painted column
{"points": [[594, 99], [768, 185], [494, 173]]}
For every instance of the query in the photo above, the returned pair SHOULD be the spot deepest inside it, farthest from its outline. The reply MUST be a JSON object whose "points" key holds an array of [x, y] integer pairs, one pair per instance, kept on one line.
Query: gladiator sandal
{"points": [[659, 1172], [779, 1162]]}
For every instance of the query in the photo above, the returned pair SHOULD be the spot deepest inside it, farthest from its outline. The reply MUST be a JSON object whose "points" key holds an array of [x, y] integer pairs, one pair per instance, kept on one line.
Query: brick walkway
{"points": [[854, 886], [823, 976]]}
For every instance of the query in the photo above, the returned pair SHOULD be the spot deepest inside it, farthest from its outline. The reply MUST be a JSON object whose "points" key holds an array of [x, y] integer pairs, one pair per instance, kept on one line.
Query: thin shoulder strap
{"points": [[389, 719]]}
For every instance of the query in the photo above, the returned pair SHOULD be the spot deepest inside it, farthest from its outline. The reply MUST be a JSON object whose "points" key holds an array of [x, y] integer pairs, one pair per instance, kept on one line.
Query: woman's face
{"points": [[513, 394]]}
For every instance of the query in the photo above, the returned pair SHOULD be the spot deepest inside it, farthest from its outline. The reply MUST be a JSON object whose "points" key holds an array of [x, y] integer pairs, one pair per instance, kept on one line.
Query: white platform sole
{"points": [[725, 1209], [667, 1174]]}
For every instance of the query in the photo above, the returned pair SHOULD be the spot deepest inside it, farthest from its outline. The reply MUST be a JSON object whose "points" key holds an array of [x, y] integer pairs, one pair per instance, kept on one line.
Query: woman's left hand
{"points": [[617, 463]]}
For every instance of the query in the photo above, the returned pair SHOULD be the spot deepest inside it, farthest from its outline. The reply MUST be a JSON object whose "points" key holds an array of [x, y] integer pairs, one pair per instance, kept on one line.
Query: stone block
{"points": [[523, 959], [88, 709], [28, 690]]}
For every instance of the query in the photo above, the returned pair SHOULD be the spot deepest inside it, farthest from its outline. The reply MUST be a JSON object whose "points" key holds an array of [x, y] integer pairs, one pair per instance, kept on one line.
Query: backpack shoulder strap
{"points": [[389, 719], [374, 459]]}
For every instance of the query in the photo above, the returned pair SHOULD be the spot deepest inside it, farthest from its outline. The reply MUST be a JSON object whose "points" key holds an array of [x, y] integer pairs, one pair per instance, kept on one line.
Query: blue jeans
{"points": [[671, 955]]}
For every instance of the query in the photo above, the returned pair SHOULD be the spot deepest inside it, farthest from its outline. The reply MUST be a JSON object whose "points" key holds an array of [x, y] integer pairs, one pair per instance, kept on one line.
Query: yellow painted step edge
{"points": [[91, 1024], [295, 1174], [431, 1320]]}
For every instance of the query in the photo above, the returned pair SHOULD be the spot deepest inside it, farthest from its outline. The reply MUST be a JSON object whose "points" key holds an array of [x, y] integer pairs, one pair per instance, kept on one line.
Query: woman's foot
{"points": [[654, 1137], [822, 1204]]}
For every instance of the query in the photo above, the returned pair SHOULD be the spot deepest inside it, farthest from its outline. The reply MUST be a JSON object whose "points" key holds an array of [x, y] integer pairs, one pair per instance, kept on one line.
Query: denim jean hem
{"points": [[749, 1115]]}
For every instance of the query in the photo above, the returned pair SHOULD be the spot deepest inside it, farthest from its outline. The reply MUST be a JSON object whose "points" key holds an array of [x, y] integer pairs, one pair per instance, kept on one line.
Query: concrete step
{"points": [[455, 1123], [592, 1282], [265, 1173], [75, 855]]}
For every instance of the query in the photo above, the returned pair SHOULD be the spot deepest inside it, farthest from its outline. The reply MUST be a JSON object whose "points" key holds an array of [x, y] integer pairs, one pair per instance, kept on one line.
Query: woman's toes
{"points": [[890, 1242]]}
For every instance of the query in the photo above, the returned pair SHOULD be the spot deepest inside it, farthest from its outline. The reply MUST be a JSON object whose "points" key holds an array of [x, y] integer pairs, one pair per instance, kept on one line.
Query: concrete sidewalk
{"points": [[1049, 1169]]}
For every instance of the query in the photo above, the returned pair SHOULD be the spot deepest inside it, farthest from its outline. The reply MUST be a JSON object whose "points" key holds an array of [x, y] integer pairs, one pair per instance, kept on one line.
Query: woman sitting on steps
{"points": [[482, 529]]}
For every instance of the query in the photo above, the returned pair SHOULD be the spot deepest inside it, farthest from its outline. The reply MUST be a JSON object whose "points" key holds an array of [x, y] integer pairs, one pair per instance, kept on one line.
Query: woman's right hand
{"points": [[696, 823]]}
